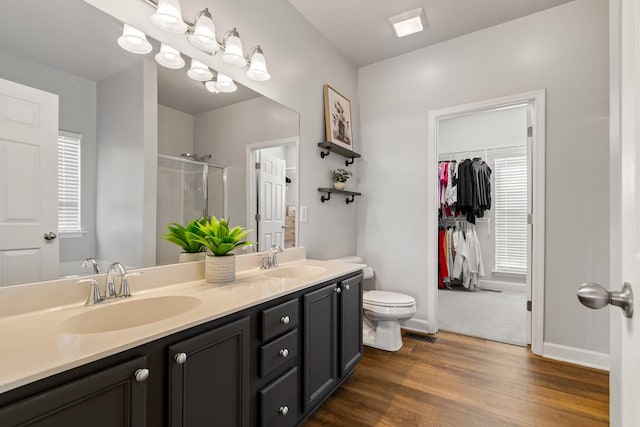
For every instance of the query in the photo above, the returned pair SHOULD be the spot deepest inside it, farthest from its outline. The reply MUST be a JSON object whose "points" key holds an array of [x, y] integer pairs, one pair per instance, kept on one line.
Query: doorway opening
{"points": [[272, 193], [488, 235]]}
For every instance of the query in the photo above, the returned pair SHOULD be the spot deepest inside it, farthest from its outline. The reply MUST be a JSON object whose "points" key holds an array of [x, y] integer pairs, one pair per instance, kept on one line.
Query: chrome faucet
{"points": [[110, 288], [269, 258], [115, 269], [90, 263]]}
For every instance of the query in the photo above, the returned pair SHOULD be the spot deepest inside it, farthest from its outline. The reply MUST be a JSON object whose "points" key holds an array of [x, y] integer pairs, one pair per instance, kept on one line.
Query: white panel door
{"points": [[28, 184], [271, 184]]}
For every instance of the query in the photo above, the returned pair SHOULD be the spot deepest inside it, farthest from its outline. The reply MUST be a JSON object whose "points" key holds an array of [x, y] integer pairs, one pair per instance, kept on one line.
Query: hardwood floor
{"points": [[464, 381]]}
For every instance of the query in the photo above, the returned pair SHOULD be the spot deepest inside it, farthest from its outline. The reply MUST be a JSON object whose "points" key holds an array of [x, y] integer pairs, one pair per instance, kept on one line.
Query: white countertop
{"points": [[35, 344]]}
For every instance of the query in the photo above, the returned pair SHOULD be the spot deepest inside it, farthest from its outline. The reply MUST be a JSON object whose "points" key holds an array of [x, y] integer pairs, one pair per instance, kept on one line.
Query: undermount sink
{"points": [[295, 272], [128, 314]]}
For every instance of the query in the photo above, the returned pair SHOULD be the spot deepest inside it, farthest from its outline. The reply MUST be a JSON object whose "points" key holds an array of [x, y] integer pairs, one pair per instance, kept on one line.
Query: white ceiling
{"points": [[360, 29]]}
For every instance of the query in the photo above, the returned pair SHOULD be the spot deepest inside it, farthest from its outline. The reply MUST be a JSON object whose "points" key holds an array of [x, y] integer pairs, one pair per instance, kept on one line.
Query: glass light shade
{"points": [[225, 84], [211, 86], [233, 53], [134, 40], [168, 16], [258, 69], [204, 35], [169, 57], [199, 71]]}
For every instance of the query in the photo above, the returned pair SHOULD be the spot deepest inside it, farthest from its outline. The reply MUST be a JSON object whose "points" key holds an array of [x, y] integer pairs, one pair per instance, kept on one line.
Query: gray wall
{"points": [[127, 148], [563, 50], [175, 132], [300, 61], [77, 114]]}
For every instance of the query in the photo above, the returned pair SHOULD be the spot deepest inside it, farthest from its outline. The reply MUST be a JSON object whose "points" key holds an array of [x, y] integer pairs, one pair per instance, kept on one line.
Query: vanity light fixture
{"points": [[257, 65], [203, 35], [199, 71], [409, 22], [134, 40], [169, 57], [225, 84], [168, 16], [233, 53]]}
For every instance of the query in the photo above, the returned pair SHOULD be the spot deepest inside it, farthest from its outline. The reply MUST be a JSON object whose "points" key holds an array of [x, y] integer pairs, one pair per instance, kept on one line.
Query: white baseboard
{"points": [[503, 286], [577, 356], [418, 325]]}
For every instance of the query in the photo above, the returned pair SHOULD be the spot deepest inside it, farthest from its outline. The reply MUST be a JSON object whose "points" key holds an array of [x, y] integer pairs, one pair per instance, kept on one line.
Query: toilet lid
{"points": [[388, 299]]}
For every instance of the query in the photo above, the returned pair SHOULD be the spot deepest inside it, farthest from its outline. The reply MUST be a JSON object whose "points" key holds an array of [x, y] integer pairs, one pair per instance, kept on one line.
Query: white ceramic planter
{"points": [[339, 185], [189, 257], [220, 269]]}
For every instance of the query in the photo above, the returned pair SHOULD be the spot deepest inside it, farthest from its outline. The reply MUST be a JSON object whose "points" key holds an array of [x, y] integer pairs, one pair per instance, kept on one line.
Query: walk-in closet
{"points": [[484, 195]]}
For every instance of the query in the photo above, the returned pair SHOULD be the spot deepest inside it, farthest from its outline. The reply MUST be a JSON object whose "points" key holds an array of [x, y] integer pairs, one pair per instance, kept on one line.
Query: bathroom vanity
{"points": [[265, 350]]}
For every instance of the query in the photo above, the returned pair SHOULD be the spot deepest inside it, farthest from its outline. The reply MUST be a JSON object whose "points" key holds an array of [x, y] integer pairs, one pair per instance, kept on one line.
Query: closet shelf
{"points": [[350, 194], [330, 146]]}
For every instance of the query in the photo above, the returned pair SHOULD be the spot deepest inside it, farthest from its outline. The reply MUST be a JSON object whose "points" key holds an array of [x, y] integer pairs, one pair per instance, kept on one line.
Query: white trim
{"points": [[498, 285], [577, 356], [537, 98], [417, 325], [251, 175]]}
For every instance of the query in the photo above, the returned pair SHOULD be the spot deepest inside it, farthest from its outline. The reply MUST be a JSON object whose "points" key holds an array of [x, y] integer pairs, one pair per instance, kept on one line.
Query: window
{"points": [[510, 206], [69, 183]]}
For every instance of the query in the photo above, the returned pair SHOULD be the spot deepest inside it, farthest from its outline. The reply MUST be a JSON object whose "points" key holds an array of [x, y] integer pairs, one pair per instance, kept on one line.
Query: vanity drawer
{"points": [[278, 352], [279, 319], [279, 401]]}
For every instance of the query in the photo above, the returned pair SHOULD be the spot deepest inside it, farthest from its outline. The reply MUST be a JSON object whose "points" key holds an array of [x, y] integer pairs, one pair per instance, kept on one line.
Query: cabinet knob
{"points": [[285, 320], [283, 410], [338, 290], [141, 375], [180, 358], [346, 287], [284, 352]]}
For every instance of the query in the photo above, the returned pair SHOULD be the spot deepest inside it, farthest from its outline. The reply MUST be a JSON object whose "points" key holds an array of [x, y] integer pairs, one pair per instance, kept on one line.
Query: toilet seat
{"points": [[387, 299]]}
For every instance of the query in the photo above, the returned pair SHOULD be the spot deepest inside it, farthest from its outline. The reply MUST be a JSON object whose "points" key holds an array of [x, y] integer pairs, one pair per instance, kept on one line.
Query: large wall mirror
{"points": [[156, 147]]}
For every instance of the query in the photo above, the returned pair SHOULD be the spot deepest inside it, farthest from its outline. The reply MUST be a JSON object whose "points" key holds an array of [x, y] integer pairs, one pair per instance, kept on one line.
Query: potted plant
{"points": [[192, 250], [340, 177], [215, 235]]}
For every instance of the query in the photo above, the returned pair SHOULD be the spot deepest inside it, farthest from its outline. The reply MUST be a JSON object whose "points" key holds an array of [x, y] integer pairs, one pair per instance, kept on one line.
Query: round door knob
{"points": [[285, 320], [593, 295], [141, 375], [180, 358], [50, 235], [338, 290], [283, 410], [284, 352]]}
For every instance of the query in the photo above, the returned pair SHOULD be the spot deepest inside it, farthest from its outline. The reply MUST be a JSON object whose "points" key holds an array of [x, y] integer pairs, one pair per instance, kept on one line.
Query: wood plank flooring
{"points": [[465, 381]]}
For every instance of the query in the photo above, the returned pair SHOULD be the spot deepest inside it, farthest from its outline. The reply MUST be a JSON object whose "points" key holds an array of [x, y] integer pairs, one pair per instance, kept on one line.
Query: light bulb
{"points": [[199, 71], [258, 69], [134, 40], [233, 53], [225, 84], [211, 86], [168, 16], [204, 33], [169, 57]]}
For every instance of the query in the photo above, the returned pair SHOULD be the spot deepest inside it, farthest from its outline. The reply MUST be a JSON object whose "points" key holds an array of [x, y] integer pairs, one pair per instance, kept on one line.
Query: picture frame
{"points": [[337, 118]]}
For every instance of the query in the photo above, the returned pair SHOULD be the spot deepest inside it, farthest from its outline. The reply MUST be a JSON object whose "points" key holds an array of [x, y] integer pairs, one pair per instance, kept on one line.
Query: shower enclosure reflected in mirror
{"points": [[129, 112]]}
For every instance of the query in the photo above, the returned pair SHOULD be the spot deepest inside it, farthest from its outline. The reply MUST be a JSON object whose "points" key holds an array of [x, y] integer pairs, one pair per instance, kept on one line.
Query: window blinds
{"points": [[510, 204], [69, 182]]}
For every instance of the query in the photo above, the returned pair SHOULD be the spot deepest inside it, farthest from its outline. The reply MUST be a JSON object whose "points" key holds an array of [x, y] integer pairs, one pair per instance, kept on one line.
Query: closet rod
{"points": [[482, 150]]}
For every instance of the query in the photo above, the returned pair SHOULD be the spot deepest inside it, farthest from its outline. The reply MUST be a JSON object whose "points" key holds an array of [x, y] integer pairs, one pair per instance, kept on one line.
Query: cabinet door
{"points": [[320, 344], [350, 323], [111, 398], [209, 378]]}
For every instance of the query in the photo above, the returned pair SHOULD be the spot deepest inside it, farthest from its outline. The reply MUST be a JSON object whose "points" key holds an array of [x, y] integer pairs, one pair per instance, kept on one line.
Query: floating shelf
{"points": [[350, 194], [330, 146]]}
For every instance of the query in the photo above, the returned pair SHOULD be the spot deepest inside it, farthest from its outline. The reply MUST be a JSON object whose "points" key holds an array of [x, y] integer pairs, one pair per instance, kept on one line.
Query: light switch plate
{"points": [[303, 214]]}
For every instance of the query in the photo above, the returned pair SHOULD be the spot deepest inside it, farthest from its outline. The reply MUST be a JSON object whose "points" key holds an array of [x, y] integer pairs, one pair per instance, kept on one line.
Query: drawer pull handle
{"points": [[141, 375], [284, 352], [180, 358], [285, 320], [283, 410]]}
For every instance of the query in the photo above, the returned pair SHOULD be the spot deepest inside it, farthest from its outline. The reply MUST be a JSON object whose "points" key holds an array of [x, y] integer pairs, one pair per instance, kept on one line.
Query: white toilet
{"points": [[383, 311]]}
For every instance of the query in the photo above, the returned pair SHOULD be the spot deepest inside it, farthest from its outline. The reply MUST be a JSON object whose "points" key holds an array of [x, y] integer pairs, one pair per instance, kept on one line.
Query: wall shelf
{"points": [[350, 194], [330, 146]]}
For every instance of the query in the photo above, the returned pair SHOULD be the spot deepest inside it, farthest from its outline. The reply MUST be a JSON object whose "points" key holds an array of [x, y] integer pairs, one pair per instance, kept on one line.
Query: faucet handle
{"points": [[94, 293], [124, 283], [266, 261]]}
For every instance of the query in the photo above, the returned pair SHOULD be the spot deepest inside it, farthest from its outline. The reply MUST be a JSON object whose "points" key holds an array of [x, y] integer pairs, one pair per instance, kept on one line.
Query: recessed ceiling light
{"points": [[410, 22]]}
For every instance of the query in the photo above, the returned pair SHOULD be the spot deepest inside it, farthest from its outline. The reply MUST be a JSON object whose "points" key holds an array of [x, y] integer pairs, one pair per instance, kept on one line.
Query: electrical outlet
{"points": [[303, 214]]}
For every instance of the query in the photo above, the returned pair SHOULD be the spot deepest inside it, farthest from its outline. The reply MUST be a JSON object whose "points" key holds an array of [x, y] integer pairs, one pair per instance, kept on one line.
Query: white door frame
{"points": [[251, 176], [537, 98]]}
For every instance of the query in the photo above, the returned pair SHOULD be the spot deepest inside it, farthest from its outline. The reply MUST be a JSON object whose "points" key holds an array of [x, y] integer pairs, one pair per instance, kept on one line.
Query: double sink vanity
{"points": [[267, 349]]}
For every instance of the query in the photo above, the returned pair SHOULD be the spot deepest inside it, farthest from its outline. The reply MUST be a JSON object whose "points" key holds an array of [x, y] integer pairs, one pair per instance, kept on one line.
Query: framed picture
{"points": [[337, 118]]}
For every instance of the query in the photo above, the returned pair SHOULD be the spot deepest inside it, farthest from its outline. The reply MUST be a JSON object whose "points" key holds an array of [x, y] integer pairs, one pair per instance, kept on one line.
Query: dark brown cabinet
{"points": [[209, 378], [113, 397]]}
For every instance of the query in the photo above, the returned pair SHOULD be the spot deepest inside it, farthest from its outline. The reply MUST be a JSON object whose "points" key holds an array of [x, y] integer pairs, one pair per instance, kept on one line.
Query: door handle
{"points": [[50, 235], [595, 296]]}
